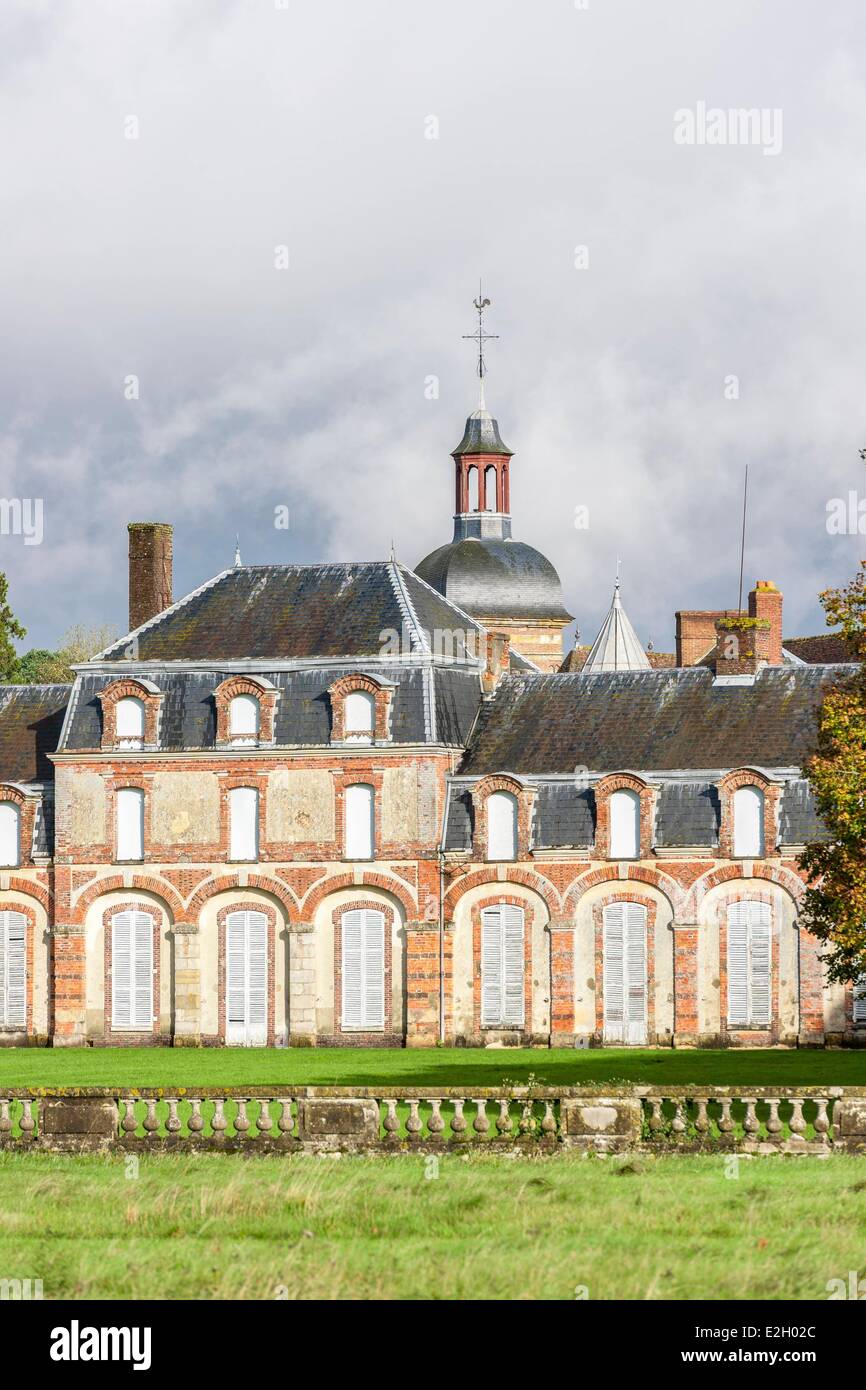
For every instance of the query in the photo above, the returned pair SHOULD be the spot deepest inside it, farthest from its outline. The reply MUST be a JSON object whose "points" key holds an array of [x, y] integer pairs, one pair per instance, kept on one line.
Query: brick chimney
{"points": [[150, 555], [497, 650], [742, 645], [765, 601]]}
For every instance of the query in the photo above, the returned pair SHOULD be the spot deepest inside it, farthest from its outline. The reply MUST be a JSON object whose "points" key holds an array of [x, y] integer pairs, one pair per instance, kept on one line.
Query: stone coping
{"points": [[429, 1092]]}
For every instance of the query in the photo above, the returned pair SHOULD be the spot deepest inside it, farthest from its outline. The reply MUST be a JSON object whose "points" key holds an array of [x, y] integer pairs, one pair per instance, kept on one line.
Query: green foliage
{"points": [[743, 624], [10, 631], [834, 908], [42, 667]]}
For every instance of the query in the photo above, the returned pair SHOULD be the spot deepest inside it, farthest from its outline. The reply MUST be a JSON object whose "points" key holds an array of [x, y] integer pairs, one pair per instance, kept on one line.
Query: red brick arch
{"points": [[229, 883], [782, 877], [513, 874], [141, 883], [30, 889], [325, 887], [636, 873]]}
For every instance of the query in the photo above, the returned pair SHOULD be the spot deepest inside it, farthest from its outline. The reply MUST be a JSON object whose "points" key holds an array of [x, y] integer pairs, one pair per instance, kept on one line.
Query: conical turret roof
{"points": [[617, 646]]}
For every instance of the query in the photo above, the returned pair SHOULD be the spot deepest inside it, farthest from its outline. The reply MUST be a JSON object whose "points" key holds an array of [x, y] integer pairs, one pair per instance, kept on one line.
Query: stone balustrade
{"points": [[596, 1119]]}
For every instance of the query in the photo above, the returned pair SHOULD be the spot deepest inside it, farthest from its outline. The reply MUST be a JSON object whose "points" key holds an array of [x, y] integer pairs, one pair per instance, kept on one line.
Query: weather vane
{"points": [[481, 336]]}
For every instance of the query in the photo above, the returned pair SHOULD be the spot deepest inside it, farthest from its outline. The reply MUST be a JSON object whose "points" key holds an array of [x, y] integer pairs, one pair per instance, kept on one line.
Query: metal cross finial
{"points": [[481, 336]]}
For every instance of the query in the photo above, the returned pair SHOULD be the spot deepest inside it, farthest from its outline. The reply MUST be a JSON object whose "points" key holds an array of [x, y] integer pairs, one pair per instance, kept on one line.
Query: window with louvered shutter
{"points": [[502, 966], [360, 821], [13, 970], [860, 1000], [749, 965], [748, 823], [624, 965], [501, 826], [10, 835], [132, 971], [247, 978], [363, 970], [130, 823], [244, 823]]}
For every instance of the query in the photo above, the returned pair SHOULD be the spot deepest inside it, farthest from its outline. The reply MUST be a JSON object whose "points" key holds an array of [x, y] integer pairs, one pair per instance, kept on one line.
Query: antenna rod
{"points": [[743, 541]]}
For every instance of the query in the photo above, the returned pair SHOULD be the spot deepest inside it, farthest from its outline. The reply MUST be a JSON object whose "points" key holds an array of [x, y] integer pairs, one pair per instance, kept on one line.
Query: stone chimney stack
{"points": [[765, 601], [742, 645], [150, 558]]}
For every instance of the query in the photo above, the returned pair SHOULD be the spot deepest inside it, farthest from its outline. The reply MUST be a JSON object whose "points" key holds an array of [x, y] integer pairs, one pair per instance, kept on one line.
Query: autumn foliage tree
{"points": [[834, 908]]}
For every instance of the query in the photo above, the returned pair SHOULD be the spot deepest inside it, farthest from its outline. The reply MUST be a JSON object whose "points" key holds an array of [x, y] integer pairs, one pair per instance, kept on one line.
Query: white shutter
{"points": [[129, 722], [501, 826], [502, 966], [749, 965], [491, 967], [624, 814], [363, 970], [132, 971], [244, 719], [614, 972], [360, 828], [130, 823], [121, 970], [860, 999], [13, 973], [635, 976], [10, 835], [748, 823], [142, 971], [247, 978], [514, 965], [358, 716], [243, 823]]}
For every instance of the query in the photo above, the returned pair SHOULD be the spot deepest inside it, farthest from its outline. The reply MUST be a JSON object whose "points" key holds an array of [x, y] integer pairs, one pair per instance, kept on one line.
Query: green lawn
{"points": [[190, 1067], [467, 1227]]}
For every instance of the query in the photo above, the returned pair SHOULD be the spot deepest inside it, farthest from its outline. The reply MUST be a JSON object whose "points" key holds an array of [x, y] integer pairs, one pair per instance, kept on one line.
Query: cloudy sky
{"points": [[307, 127]]}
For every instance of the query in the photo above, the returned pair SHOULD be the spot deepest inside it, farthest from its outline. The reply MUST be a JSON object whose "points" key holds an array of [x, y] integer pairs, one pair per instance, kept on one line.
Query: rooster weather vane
{"points": [[480, 336]]}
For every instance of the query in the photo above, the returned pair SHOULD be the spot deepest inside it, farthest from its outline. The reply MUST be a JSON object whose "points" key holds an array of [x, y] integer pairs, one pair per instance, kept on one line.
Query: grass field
{"points": [[227, 1227], [160, 1066]]}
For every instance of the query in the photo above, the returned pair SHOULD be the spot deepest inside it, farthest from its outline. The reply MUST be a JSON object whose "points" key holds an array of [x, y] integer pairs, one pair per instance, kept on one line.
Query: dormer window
{"points": [[624, 825], [748, 823], [129, 722], [244, 720], [501, 826], [359, 715], [10, 835]]}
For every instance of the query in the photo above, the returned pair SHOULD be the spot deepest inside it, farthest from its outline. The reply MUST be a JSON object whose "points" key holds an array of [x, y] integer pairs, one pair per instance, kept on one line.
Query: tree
{"points": [[42, 667], [834, 907], [10, 631]]}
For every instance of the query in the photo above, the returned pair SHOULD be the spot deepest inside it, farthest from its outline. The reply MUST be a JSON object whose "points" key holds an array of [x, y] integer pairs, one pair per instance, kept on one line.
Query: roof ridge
{"points": [[406, 606], [157, 617]]}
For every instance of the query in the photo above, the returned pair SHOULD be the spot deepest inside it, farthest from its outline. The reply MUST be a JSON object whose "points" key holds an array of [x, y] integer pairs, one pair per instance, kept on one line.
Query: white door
{"points": [[13, 996], [363, 970], [625, 974], [247, 979], [502, 966], [132, 971]]}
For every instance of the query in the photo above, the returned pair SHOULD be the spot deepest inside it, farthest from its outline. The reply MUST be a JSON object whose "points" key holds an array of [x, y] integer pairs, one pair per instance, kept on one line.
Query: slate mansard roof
{"points": [[280, 612], [31, 717], [428, 705], [649, 721]]}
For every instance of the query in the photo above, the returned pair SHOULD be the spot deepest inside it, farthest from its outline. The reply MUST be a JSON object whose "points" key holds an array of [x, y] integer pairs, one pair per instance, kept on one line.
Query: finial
{"points": [[393, 552], [480, 336], [237, 552]]}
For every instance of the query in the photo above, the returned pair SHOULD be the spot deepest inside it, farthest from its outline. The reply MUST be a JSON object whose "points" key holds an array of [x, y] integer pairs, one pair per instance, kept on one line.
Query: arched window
{"points": [[748, 823], [490, 488], [244, 823], [624, 960], [749, 965], [129, 722], [10, 835], [624, 825], [474, 488], [363, 970], [244, 719], [13, 970], [132, 971], [360, 834], [503, 966], [130, 823], [501, 826], [359, 712]]}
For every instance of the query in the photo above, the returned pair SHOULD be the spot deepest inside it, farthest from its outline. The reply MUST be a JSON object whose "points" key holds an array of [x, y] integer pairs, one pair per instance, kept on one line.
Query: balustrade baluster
{"points": [[458, 1119], [151, 1123], [503, 1119], [726, 1123], [822, 1119], [172, 1124], [435, 1124], [196, 1119], [219, 1123], [414, 1124], [751, 1123], [702, 1120], [264, 1123], [678, 1123], [28, 1123], [774, 1124], [548, 1123], [391, 1123], [5, 1117], [286, 1123], [129, 1123], [797, 1123], [525, 1125], [242, 1122], [656, 1115], [481, 1124]]}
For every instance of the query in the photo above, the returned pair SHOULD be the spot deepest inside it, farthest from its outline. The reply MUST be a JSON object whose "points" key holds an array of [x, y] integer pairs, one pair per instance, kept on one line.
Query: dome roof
{"points": [[491, 578], [481, 436]]}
